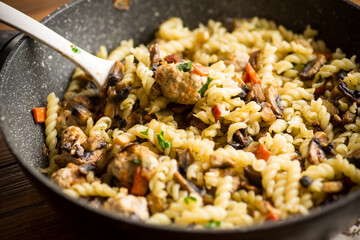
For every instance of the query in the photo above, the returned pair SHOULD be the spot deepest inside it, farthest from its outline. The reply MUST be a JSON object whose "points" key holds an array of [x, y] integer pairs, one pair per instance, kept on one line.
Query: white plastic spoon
{"points": [[97, 68]]}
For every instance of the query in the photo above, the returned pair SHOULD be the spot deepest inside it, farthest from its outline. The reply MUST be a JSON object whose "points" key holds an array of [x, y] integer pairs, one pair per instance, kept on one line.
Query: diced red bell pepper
{"points": [[216, 112], [262, 152], [254, 77], [140, 183], [200, 69]]}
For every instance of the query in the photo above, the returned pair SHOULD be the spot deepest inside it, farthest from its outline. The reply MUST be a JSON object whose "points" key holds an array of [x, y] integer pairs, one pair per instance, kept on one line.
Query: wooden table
{"points": [[23, 212]]}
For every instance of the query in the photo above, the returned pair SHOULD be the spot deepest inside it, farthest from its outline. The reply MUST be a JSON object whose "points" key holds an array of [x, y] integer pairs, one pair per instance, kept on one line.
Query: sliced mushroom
{"points": [[255, 94], [116, 94], [318, 146], [353, 95], [195, 122], [273, 97], [218, 161], [154, 56], [115, 76], [330, 107], [332, 187], [251, 147], [240, 139], [188, 185], [312, 67], [337, 121], [185, 158], [354, 158], [254, 177], [86, 168], [267, 115], [256, 60], [348, 117]]}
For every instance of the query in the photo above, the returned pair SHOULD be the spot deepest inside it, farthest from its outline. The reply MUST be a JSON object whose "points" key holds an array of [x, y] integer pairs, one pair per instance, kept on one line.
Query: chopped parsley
{"points": [[189, 198], [136, 161], [213, 224], [185, 67], [145, 132], [164, 144], [205, 86], [209, 196], [319, 79], [74, 48]]}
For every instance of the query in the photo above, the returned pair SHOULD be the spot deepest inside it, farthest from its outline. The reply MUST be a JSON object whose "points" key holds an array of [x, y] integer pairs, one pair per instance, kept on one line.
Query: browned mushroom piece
{"points": [[115, 76], [348, 117], [312, 67], [155, 203], [154, 56], [332, 187], [195, 122], [116, 94], [218, 161], [254, 177], [354, 158], [331, 108], [130, 206], [68, 176], [185, 158], [240, 139], [251, 147], [336, 120], [188, 185], [71, 140], [258, 92], [267, 114], [273, 97], [318, 146], [352, 95], [179, 86], [121, 4], [256, 60]]}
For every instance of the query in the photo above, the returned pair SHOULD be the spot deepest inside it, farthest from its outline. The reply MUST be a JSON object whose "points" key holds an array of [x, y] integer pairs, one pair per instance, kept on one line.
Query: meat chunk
{"points": [[239, 59], [312, 67], [179, 86], [78, 148], [123, 165], [155, 203], [219, 161], [130, 206], [68, 176]]}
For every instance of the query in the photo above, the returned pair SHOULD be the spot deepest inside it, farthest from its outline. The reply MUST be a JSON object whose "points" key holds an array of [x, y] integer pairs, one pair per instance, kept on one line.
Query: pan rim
{"points": [[318, 212]]}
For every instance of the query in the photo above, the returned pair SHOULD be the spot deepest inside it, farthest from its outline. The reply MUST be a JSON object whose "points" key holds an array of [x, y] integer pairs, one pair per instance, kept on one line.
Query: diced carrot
{"points": [[262, 152], [245, 77], [200, 69], [172, 58], [252, 74], [140, 183], [327, 55], [39, 114], [273, 216], [216, 112]]}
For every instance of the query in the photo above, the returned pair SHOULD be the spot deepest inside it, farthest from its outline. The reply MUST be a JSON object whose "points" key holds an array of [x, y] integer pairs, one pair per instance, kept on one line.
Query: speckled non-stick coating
{"points": [[33, 70]]}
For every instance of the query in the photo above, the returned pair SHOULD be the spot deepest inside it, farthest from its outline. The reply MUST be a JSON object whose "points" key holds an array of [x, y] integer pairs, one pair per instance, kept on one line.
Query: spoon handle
{"points": [[96, 67]]}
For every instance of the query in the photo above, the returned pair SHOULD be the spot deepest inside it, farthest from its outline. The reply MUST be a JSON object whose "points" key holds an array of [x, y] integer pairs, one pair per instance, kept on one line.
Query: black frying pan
{"points": [[33, 70]]}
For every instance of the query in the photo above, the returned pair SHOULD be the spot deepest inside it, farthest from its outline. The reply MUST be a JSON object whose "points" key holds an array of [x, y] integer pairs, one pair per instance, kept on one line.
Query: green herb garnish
{"points": [[74, 48], [213, 224], [205, 86], [136, 161], [319, 79], [164, 144], [185, 67], [189, 198], [145, 132]]}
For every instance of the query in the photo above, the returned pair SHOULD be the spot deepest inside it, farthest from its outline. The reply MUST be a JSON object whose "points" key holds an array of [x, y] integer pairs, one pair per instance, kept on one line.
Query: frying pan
{"points": [[33, 70]]}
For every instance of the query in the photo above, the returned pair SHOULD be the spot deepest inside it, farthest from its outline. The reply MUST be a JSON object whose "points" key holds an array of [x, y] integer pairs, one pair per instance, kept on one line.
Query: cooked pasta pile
{"points": [[227, 125]]}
